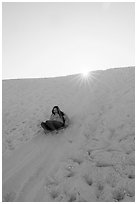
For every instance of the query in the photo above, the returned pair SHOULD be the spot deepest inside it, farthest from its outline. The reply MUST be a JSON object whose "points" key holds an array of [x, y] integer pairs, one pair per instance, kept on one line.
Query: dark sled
{"points": [[51, 131]]}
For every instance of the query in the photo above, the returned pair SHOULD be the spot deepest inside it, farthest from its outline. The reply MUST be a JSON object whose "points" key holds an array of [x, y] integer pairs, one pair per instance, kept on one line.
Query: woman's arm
{"points": [[52, 117], [56, 117]]}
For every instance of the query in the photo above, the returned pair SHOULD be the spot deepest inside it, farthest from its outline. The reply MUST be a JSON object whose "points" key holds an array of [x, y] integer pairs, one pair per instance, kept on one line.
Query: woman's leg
{"points": [[49, 125], [43, 125], [53, 125], [57, 124]]}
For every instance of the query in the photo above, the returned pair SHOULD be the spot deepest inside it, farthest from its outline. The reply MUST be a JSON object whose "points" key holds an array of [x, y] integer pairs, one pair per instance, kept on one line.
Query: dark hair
{"points": [[57, 109], [59, 112]]}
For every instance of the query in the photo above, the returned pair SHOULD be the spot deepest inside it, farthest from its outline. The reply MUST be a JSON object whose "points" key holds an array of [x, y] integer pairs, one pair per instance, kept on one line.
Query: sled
{"points": [[51, 131]]}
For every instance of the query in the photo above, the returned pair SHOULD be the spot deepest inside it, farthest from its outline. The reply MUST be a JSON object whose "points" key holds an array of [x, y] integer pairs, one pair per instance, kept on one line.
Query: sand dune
{"points": [[92, 160]]}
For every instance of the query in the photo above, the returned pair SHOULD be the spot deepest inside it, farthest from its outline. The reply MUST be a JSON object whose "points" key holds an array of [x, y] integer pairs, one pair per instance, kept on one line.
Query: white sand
{"points": [[92, 160]]}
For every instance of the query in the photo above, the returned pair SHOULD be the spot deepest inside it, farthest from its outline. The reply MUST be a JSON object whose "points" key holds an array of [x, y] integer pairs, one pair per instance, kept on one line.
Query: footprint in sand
{"points": [[118, 194], [88, 179], [9, 197]]}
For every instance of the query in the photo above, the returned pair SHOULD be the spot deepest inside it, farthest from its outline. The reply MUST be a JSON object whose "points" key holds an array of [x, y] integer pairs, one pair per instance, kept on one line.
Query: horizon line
{"points": [[132, 66]]}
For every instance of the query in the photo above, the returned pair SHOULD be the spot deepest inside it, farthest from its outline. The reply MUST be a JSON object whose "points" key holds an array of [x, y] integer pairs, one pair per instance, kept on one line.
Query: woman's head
{"points": [[56, 110]]}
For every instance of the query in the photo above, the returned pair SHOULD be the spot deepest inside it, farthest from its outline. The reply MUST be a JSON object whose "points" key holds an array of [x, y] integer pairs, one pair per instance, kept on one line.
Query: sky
{"points": [[57, 39]]}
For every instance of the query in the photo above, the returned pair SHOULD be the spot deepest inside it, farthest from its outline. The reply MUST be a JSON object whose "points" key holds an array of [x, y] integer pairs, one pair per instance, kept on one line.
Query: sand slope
{"points": [[92, 160]]}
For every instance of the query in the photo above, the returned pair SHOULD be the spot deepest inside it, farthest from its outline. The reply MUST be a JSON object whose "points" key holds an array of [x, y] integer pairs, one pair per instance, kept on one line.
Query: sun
{"points": [[85, 78], [85, 73]]}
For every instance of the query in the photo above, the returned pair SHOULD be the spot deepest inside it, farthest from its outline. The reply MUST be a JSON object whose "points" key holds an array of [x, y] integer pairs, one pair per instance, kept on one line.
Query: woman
{"points": [[58, 120]]}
